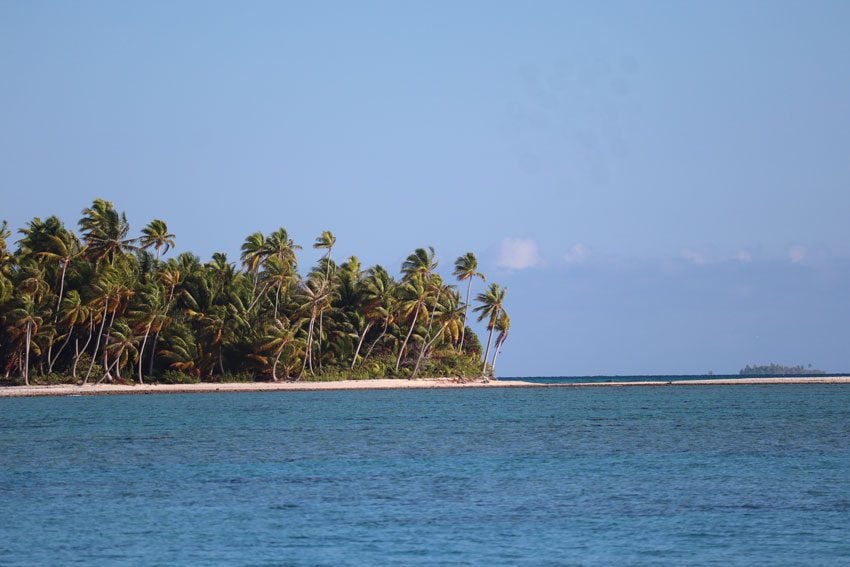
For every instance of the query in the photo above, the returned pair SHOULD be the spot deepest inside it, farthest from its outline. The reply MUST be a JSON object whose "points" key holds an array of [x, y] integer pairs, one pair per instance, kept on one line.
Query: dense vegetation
{"points": [[107, 306], [774, 369]]}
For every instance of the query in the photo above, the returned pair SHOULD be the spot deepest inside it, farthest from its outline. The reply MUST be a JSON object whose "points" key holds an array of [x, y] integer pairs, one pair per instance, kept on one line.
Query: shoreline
{"points": [[69, 390]]}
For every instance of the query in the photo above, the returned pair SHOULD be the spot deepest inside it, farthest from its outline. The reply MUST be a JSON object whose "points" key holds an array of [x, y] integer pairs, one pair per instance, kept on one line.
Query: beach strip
{"points": [[380, 384]]}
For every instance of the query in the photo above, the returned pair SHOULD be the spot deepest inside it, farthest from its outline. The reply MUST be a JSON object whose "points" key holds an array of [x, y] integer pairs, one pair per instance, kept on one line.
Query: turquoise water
{"points": [[703, 475]]}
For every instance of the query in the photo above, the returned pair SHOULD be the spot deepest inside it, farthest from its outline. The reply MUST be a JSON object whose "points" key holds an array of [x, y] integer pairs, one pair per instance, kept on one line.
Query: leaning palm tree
{"points": [[155, 235], [415, 294], [279, 335], [503, 325], [492, 302], [26, 320], [466, 268]]}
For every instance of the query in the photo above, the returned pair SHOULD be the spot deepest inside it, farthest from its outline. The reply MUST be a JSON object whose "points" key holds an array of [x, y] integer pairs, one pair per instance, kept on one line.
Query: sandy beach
{"points": [[381, 384]]}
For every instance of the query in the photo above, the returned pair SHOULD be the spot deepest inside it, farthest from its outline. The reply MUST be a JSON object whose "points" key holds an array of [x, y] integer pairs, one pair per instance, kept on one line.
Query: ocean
{"points": [[699, 475]]}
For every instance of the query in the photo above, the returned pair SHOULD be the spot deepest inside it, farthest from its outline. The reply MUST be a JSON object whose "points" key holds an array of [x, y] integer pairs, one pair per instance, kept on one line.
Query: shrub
{"points": [[177, 377]]}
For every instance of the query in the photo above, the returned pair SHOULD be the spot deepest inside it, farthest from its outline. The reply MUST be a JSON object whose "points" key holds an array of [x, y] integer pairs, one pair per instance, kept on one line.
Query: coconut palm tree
{"points": [[503, 325], [105, 232], [155, 235], [315, 298], [466, 269], [415, 294], [279, 335], [492, 302], [421, 262], [26, 320]]}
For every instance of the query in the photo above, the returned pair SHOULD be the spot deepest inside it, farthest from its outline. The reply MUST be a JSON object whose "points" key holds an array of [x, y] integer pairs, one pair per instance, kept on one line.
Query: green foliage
{"points": [[110, 303], [774, 369], [177, 377]]}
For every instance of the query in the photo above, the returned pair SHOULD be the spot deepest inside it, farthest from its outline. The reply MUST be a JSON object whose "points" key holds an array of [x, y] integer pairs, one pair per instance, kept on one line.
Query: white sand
{"points": [[382, 384]]}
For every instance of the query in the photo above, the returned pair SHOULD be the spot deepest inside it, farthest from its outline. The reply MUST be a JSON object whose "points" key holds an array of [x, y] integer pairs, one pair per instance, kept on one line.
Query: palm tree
{"points": [[26, 320], [105, 231], [503, 325], [492, 302], [420, 263], [315, 299], [279, 335], [415, 294], [156, 235], [380, 300], [466, 268]]}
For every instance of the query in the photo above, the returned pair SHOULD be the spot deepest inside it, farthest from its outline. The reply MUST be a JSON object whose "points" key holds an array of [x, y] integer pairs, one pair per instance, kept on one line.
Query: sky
{"points": [[662, 186]]}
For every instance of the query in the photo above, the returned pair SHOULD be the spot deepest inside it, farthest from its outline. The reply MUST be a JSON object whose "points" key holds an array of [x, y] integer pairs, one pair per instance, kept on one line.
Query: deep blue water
{"points": [[699, 475]]}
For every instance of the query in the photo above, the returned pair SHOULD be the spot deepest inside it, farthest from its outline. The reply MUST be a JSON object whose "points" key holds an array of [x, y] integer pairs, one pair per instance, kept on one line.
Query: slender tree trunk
{"points": [[27, 356], [465, 314], [77, 351], [106, 342], [59, 352], [496, 351], [61, 287], [309, 346], [359, 344], [109, 369], [381, 336], [276, 361], [99, 337], [489, 338], [425, 348], [407, 338], [142, 350], [276, 299]]}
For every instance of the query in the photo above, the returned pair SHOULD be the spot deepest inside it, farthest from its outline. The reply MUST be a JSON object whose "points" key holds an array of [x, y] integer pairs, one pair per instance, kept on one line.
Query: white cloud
{"points": [[518, 254], [743, 256], [693, 256], [577, 254], [797, 253]]}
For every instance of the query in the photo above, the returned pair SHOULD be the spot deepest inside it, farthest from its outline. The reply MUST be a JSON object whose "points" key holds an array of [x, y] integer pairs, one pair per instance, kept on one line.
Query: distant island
{"points": [[780, 370], [105, 306]]}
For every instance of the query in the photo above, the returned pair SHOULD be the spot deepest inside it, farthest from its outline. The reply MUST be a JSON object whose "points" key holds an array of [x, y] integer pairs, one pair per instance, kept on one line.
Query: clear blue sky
{"points": [[664, 187]]}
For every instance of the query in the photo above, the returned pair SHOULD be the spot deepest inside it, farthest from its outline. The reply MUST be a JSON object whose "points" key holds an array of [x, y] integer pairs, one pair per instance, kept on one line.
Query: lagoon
{"points": [[481, 476]]}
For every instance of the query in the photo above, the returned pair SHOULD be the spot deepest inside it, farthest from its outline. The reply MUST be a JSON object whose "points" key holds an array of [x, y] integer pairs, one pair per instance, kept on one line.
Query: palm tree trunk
{"points": [[27, 356], [489, 338], [142, 350], [425, 348], [77, 351], [381, 336], [360, 344], [276, 361], [309, 346], [465, 313], [407, 338], [99, 337], [59, 352], [61, 287]]}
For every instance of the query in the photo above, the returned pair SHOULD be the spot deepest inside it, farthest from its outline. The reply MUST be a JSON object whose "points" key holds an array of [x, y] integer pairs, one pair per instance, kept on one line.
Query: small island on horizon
{"points": [[106, 306]]}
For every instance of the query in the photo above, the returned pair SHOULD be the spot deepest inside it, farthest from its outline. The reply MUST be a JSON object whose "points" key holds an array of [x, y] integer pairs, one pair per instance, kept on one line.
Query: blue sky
{"points": [[664, 187]]}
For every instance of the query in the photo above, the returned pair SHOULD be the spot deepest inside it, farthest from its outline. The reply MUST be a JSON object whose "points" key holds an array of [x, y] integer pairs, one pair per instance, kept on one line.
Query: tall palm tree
{"points": [[155, 235], [421, 263], [379, 297], [105, 231], [492, 302], [279, 335], [315, 299], [26, 320], [415, 294], [466, 269], [503, 325]]}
